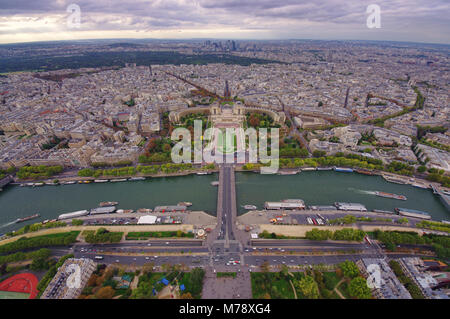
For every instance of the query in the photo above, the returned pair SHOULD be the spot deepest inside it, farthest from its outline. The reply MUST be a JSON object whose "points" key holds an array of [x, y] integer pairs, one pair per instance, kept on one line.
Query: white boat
{"points": [[350, 206], [343, 169], [137, 179], [101, 181], [68, 183], [306, 169], [250, 207], [288, 173], [393, 180], [419, 185], [106, 204], [215, 183], [202, 173], [187, 204], [119, 180]]}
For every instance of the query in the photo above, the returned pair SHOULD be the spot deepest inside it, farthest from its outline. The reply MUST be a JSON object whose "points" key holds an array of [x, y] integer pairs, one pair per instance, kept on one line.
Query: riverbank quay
{"points": [[197, 218], [262, 216], [111, 228], [261, 219]]}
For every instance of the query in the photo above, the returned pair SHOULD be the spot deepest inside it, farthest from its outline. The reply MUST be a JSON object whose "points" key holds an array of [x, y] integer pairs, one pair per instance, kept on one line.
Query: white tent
{"points": [[147, 219]]}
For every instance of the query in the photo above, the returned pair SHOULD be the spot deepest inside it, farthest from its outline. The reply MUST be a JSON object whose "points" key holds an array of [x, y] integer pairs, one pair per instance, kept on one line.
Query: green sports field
{"points": [[13, 295]]}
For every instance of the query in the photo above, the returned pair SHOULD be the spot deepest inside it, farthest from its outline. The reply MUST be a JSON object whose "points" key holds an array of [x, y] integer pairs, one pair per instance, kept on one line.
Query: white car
{"points": [[147, 258]]}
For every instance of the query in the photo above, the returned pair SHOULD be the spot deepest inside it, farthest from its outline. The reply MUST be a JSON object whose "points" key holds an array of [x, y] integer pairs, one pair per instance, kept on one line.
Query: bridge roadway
{"points": [[222, 241]]}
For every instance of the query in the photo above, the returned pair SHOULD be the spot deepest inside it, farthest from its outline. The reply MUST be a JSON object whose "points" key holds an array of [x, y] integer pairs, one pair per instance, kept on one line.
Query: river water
{"points": [[327, 187], [315, 188], [52, 201]]}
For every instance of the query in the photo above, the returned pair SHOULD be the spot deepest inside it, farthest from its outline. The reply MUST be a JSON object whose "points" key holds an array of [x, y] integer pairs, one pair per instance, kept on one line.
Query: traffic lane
{"points": [[298, 260], [60, 252], [303, 242], [145, 250], [147, 243], [228, 203], [200, 260]]}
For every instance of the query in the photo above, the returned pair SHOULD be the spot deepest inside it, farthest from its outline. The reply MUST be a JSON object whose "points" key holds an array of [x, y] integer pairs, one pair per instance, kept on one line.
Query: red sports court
{"points": [[25, 283]]}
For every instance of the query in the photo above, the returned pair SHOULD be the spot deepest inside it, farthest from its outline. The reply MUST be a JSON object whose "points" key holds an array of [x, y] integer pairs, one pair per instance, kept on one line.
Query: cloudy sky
{"points": [[401, 20]]}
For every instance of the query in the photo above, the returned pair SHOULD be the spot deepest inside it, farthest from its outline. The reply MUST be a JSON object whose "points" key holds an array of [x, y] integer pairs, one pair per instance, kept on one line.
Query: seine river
{"points": [[327, 187], [51, 201], [315, 188]]}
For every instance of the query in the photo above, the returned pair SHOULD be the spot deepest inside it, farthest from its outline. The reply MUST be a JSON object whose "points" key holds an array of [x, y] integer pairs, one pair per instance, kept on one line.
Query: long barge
{"points": [[137, 179], [394, 180], [343, 169], [412, 213], [390, 195], [350, 206], [73, 214], [24, 219], [365, 172], [288, 172], [104, 204], [285, 204]]}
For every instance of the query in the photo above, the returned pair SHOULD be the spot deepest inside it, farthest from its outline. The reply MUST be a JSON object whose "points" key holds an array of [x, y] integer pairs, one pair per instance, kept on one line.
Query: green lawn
{"points": [[271, 284], [343, 288], [226, 274], [161, 234], [222, 144]]}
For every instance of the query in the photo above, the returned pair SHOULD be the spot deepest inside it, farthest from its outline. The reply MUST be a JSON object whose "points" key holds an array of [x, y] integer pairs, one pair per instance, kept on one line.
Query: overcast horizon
{"points": [[417, 21]]}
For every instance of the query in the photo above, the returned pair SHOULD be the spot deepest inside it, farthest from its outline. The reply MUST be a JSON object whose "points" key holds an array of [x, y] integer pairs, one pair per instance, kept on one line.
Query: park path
{"points": [[293, 288], [337, 291]]}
